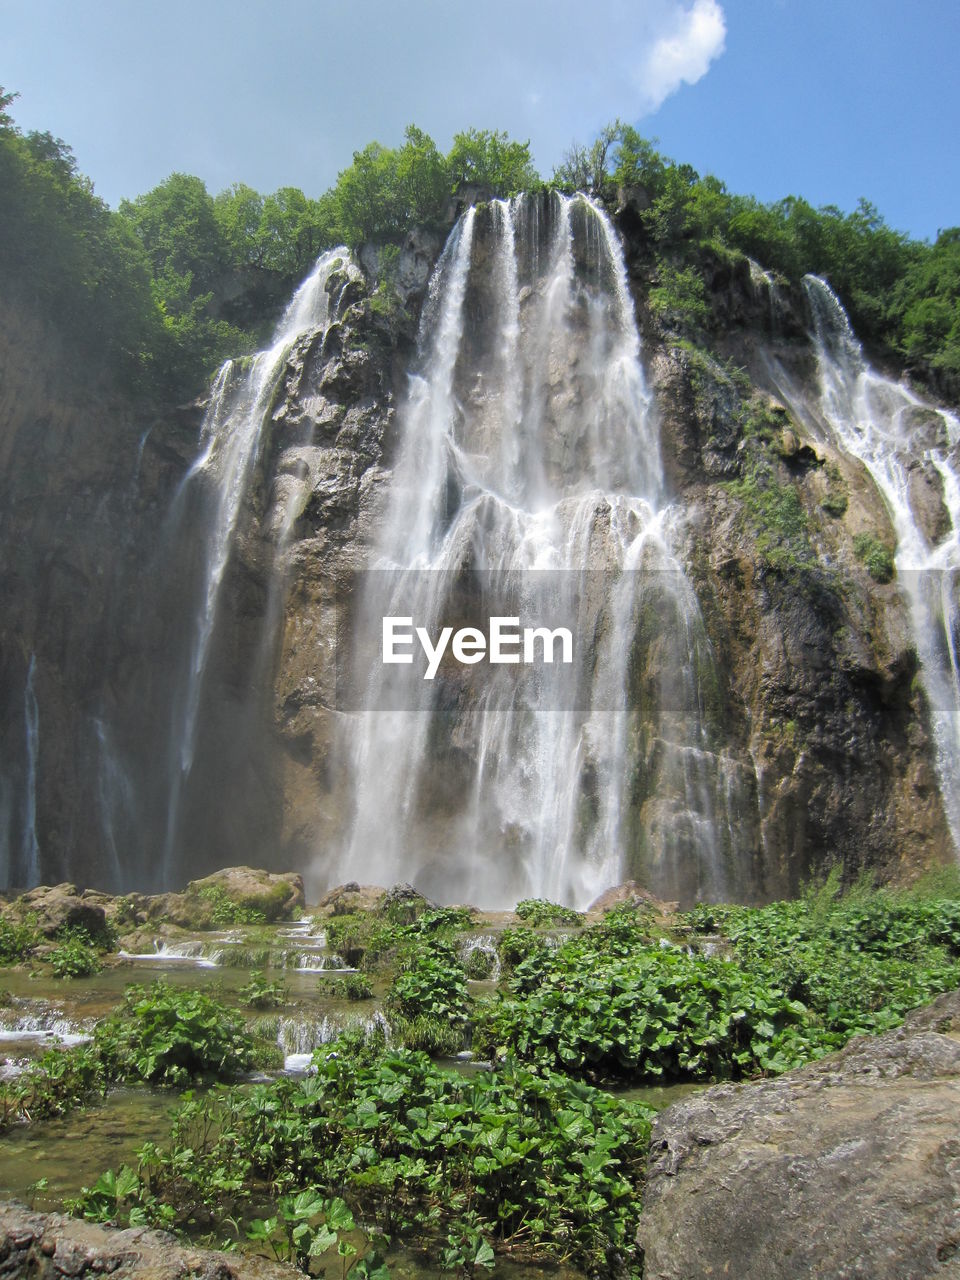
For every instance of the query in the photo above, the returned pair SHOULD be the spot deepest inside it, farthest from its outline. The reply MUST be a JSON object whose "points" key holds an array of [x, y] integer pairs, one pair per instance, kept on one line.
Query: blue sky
{"points": [[830, 100]]}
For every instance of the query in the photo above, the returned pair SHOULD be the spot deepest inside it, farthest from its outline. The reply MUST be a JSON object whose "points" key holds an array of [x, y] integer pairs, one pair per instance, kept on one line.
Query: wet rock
{"points": [[277, 895], [926, 499], [45, 1246], [632, 894], [848, 1169], [403, 904], [347, 898]]}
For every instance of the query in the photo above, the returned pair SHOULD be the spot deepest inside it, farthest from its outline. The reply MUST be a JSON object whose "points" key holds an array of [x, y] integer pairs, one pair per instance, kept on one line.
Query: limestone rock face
{"points": [[848, 1169], [926, 499], [812, 709], [816, 695]]}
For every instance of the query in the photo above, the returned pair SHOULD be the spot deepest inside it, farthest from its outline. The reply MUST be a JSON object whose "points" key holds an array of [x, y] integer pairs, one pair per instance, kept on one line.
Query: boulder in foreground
{"points": [[848, 1169]]}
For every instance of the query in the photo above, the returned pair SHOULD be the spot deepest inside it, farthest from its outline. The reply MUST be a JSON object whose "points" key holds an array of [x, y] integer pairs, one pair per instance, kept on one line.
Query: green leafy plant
{"points": [[60, 1079], [460, 1167], [225, 912], [515, 945], [479, 963], [351, 986], [262, 993], [75, 956], [539, 914], [654, 1014], [170, 1035], [428, 1002], [18, 939]]}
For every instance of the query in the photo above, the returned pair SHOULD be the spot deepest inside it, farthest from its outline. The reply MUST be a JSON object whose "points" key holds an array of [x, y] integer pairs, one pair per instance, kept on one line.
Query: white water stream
{"points": [[530, 454], [896, 434], [241, 400]]}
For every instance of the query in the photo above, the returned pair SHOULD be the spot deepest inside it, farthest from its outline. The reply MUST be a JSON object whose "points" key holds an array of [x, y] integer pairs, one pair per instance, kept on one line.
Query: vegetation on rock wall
{"points": [[902, 295]]}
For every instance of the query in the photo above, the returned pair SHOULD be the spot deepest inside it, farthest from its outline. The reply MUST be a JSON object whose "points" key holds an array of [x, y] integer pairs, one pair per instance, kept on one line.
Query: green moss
{"points": [[835, 503], [875, 555], [779, 521]]}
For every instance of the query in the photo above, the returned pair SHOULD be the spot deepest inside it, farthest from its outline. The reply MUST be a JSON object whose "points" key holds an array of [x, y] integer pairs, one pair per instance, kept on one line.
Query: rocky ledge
{"points": [[44, 1246], [848, 1169], [272, 895]]}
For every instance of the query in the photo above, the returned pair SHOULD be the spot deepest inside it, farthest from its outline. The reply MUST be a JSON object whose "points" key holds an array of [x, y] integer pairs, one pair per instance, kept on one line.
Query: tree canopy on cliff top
{"points": [[156, 289]]}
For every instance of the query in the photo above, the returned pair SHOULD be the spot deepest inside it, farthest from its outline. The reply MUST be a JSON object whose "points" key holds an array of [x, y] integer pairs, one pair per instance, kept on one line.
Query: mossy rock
{"points": [[235, 895]]}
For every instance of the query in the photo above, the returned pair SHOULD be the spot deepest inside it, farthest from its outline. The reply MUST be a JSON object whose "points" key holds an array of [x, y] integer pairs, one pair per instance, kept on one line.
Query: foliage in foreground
{"points": [[171, 1035], [164, 1035], [450, 1163], [805, 976], [75, 954], [859, 961], [538, 913], [18, 938], [655, 1014]]}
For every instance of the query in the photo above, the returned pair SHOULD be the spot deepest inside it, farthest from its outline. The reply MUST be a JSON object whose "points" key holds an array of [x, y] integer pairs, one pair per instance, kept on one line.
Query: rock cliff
{"points": [[813, 699]]}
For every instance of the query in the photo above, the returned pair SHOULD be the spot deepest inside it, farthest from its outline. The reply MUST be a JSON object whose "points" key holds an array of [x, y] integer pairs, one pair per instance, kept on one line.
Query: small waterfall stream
{"points": [[530, 456], [241, 400], [30, 853], [899, 437]]}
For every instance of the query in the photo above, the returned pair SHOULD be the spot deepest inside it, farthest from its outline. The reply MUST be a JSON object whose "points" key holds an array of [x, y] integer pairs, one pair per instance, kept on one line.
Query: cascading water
{"points": [[895, 434], [241, 400], [117, 800], [31, 717], [529, 452]]}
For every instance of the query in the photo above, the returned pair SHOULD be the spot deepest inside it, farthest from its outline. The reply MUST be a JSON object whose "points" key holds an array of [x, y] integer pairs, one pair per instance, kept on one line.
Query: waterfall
{"points": [[241, 400], [30, 855], [529, 457], [899, 437], [116, 798]]}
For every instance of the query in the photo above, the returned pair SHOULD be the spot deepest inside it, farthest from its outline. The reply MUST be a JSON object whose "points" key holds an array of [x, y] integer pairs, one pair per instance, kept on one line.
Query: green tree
{"points": [[239, 215], [488, 158], [177, 224]]}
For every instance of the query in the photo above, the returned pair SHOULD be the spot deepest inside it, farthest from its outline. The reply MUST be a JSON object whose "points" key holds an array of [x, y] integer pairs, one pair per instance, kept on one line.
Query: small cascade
{"points": [[241, 401], [201, 954], [530, 456], [485, 943], [765, 285], [297, 1038], [906, 444], [314, 961], [302, 931], [43, 1027], [30, 852]]}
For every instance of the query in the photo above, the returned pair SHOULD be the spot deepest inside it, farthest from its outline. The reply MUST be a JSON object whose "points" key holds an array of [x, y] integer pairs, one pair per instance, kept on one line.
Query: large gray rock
{"points": [[45, 1246], [848, 1169], [58, 907]]}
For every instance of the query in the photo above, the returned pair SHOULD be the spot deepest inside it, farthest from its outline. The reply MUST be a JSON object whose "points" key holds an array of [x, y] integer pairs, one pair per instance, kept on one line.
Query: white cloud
{"points": [[683, 54], [271, 111]]}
